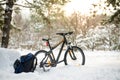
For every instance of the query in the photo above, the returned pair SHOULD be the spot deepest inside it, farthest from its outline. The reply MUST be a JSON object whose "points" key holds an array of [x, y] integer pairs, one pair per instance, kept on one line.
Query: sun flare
{"points": [[83, 6]]}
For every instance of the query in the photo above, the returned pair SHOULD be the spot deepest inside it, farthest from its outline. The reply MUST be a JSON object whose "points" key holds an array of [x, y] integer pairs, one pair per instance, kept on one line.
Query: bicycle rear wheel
{"points": [[43, 60], [74, 56]]}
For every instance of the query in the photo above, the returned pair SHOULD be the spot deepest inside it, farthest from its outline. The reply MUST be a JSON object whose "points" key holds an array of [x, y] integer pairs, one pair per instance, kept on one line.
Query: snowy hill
{"points": [[100, 65]]}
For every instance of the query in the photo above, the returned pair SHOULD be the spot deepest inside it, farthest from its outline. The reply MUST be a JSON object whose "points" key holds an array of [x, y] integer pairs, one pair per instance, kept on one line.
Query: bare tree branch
{"points": [[2, 3], [34, 5], [23, 6]]}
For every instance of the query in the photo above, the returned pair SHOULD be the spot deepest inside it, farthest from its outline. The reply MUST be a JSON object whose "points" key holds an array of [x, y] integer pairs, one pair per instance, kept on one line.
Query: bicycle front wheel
{"points": [[43, 60], [74, 56]]}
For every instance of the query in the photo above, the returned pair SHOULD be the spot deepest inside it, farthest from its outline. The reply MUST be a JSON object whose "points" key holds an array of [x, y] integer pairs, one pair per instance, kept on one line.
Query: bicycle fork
{"points": [[72, 55]]}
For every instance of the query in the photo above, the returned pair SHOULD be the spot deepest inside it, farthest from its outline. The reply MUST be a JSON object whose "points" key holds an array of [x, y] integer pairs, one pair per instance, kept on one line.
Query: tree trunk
{"points": [[7, 23]]}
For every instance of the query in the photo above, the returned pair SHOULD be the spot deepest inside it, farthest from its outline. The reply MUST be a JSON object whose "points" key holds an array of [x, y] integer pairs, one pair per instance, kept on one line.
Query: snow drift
{"points": [[100, 65], [7, 57]]}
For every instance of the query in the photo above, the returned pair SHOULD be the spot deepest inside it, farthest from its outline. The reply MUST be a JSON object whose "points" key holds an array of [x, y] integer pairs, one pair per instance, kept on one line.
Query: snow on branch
{"points": [[23, 6], [2, 3]]}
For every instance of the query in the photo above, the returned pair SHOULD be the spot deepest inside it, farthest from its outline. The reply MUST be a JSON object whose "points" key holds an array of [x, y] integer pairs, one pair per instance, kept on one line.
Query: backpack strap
{"points": [[34, 65]]}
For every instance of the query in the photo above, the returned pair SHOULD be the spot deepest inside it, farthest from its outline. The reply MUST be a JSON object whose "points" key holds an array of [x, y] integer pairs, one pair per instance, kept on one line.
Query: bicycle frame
{"points": [[63, 42], [50, 60]]}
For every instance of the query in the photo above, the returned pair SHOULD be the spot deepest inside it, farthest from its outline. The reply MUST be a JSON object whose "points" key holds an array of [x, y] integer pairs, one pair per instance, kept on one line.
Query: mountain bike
{"points": [[73, 55]]}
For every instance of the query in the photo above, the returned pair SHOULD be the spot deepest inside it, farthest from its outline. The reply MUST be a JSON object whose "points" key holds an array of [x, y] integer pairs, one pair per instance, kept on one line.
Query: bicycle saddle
{"points": [[46, 39]]}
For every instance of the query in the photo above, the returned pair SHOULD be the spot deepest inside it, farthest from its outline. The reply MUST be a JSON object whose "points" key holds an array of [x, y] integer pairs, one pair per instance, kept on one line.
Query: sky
{"points": [[82, 6]]}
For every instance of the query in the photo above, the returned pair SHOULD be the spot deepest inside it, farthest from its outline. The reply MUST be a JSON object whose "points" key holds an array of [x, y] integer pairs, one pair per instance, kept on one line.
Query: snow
{"points": [[100, 65]]}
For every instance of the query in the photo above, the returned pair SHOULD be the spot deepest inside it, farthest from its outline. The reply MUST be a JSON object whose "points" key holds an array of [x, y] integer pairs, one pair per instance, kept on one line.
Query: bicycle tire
{"points": [[43, 60], [78, 58]]}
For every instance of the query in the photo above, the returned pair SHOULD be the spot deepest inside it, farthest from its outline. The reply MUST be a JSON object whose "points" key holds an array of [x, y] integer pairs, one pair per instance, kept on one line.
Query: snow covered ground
{"points": [[100, 65]]}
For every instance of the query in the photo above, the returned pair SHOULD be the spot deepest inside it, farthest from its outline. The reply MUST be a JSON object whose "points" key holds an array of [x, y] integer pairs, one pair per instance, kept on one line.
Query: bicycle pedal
{"points": [[53, 65]]}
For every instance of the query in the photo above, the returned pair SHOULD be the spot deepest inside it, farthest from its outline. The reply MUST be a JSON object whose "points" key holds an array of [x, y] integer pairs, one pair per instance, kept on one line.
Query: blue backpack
{"points": [[27, 63]]}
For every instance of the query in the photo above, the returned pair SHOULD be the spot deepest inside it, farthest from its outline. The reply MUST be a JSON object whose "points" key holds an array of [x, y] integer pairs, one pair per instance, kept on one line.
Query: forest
{"points": [[43, 19]]}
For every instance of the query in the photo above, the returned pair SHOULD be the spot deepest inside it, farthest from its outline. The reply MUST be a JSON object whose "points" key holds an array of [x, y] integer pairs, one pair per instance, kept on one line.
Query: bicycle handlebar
{"points": [[63, 34]]}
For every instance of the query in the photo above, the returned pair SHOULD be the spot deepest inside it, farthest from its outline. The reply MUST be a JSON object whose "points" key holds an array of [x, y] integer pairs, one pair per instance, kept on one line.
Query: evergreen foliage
{"points": [[116, 16]]}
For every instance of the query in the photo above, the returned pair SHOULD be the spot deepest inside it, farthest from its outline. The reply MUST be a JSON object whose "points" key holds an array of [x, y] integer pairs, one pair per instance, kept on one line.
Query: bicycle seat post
{"points": [[47, 42]]}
